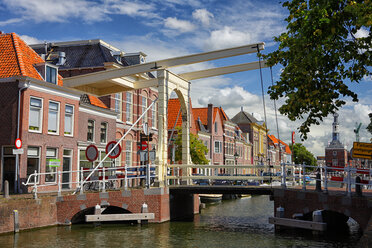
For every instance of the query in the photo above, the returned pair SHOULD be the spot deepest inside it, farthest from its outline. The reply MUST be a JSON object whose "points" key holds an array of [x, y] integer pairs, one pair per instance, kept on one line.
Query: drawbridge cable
{"points": [[264, 106]]}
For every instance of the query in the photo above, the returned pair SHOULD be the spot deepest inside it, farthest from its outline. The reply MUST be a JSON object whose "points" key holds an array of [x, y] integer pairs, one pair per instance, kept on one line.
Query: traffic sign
{"points": [[143, 146], [362, 150], [18, 151], [359, 153], [116, 152], [293, 137], [18, 143], [91, 153]]}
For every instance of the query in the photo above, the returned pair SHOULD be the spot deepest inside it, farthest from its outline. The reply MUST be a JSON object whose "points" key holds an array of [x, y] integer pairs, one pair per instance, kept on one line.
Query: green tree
{"points": [[369, 127], [197, 148], [319, 52], [302, 155]]}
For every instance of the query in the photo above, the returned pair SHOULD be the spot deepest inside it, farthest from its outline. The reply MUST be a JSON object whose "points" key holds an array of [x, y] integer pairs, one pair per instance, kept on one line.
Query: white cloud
{"points": [[10, 21], [202, 15], [30, 40], [129, 8], [227, 37], [56, 11], [181, 26]]}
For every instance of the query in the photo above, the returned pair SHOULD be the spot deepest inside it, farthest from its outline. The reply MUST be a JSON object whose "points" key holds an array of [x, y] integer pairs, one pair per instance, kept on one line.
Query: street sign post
{"points": [[116, 152], [362, 150]]}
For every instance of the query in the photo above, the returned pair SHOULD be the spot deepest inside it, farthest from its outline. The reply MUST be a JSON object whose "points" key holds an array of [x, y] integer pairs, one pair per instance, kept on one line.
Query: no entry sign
{"points": [[116, 152], [18, 143], [91, 153]]}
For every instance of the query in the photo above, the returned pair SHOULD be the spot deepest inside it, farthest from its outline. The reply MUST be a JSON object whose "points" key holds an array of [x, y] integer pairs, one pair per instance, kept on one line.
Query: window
{"points": [[217, 146], [51, 165], [334, 153], [128, 106], [35, 119], [33, 162], [69, 120], [128, 153], [51, 74], [90, 133], [334, 162], [144, 107], [103, 132], [118, 105], [154, 113], [215, 127], [53, 117]]}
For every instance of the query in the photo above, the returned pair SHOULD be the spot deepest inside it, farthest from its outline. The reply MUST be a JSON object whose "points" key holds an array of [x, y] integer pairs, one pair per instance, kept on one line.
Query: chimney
{"points": [[210, 117], [61, 58]]}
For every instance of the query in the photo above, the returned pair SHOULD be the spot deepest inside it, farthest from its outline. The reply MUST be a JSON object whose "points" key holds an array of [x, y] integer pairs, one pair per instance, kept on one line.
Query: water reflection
{"points": [[234, 223]]}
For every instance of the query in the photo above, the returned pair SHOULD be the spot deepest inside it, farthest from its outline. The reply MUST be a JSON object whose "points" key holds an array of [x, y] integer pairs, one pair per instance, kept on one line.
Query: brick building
{"points": [[336, 153], [47, 117], [256, 132], [278, 151], [88, 56]]}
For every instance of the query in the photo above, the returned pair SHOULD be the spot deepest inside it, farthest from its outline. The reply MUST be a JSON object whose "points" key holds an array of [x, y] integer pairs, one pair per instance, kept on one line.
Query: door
{"points": [[9, 167], [66, 175]]}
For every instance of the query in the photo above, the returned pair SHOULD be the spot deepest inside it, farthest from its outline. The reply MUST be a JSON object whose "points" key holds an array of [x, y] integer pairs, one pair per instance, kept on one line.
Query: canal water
{"points": [[234, 223]]}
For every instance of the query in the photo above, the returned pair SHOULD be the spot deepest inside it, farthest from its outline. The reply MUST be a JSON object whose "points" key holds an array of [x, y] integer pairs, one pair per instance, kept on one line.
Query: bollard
{"points": [[16, 221], [97, 211], [358, 187], [59, 183], [6, 189], [318, 183], [144, 209], [317, 217]]}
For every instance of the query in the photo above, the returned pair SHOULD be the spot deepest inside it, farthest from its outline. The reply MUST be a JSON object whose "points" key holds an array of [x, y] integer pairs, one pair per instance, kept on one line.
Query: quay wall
{"points": [[52, 210], [31, 213]]}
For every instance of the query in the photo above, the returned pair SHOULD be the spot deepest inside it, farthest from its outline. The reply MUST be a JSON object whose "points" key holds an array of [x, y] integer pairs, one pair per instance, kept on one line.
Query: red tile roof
{"points": [[173, 109], [276, 141], [18, 59], [96, 101]]}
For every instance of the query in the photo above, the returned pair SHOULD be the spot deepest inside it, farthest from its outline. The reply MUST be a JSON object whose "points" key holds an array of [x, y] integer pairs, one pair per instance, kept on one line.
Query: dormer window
{"points": [[48, 71], [51, 74]]}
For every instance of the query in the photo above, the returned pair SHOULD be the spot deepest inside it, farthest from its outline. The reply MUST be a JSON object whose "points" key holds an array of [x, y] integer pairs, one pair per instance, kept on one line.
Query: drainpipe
{"points": [[21, 86]]}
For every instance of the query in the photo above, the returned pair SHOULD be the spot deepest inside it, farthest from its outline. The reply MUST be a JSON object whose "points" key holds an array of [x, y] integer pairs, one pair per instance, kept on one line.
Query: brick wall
{"points": [[32, 213], [295, 201]]}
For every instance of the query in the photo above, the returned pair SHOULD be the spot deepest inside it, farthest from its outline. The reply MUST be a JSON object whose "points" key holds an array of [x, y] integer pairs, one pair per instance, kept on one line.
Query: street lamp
{"points": [[236, 155]]}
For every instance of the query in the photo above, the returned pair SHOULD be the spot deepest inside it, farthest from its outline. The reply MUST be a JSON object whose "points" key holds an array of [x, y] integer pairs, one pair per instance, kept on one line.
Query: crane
{"points": [[356, 131]]}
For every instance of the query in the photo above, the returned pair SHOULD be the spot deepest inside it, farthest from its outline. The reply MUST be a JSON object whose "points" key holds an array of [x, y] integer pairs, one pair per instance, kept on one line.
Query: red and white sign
{"points": [[91, 153], [143, 146], [116, 152], [18, 143], [293, 137]]}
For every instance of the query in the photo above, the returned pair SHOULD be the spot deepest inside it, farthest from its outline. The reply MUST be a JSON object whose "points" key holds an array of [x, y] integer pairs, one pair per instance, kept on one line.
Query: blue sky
{"points": [[169, 28]]}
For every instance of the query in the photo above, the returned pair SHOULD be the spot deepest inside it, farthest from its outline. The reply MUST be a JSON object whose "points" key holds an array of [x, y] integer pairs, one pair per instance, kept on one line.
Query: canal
{"points": [[233, 223]]}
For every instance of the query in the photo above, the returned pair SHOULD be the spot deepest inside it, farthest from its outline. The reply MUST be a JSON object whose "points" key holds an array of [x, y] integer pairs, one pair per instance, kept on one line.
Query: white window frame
{"points": [[57, 120], [54, 168], [40, 117], [38, 166], [154, 115], [56, 73], [118, 105], [144, 107], [219, 146], [130, 104], [94, 126], [72, 120], [100, 132], [128, 151]]}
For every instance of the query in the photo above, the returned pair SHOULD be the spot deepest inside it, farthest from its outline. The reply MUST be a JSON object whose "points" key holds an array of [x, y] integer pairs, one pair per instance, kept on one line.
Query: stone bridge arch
{"points": [[79, 217], [299, 201]]}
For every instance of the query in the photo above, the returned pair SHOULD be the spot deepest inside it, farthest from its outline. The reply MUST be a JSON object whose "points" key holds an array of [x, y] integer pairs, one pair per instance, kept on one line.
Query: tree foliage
{"points": [[302, 155], [369, 127], [319, 52], [197, 148]]}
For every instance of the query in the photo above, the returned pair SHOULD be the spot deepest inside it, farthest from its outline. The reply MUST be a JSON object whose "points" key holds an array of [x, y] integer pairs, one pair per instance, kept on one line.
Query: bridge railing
{"points": [[220, 174], [289, 175], [102, 179]]}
